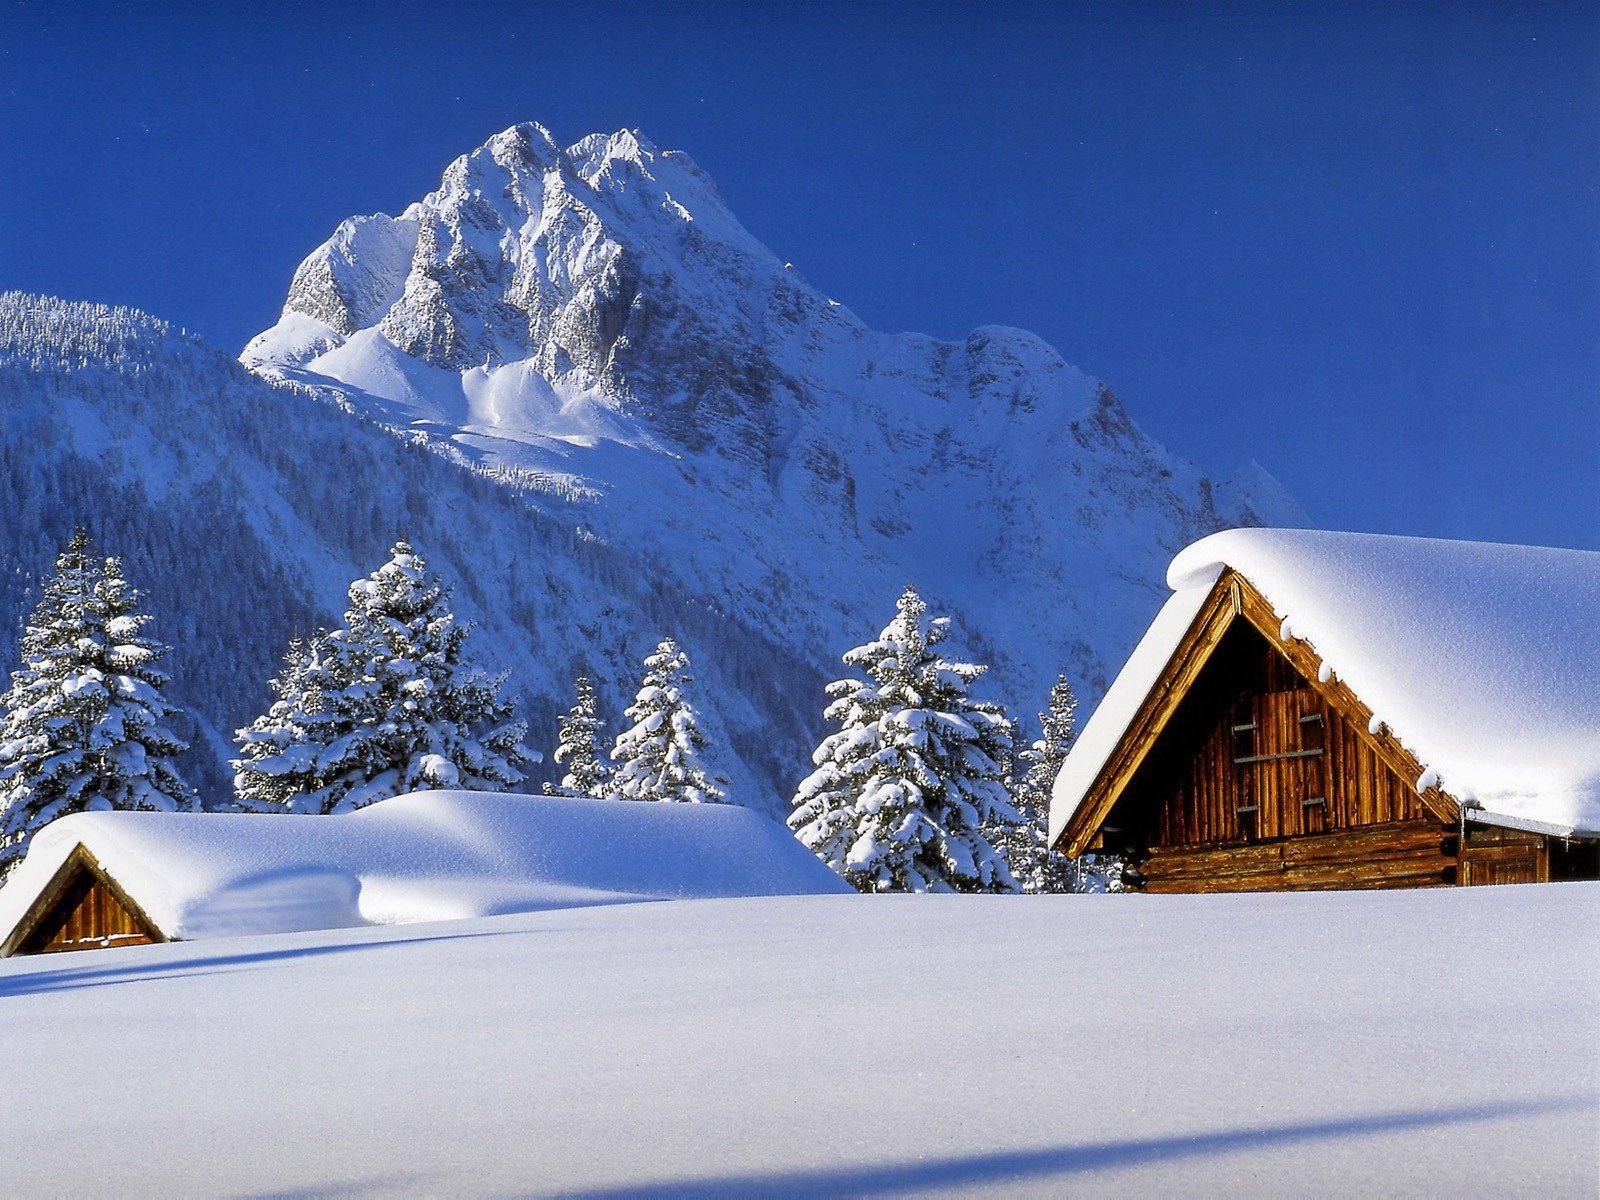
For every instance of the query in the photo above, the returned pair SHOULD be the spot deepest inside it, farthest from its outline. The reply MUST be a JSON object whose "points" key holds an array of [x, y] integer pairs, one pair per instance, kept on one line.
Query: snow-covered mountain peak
{"points": [[526, 246], [595, 154], [593, 320]]}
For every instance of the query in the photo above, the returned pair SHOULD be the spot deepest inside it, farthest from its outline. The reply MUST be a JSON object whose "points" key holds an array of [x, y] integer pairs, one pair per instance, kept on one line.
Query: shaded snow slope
{"points": [[593, 320], [244, 509], [426, 856], [1408, 1043], [1483, 660]]}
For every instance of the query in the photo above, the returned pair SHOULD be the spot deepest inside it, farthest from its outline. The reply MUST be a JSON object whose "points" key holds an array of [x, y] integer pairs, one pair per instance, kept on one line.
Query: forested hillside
{"points": [[243, 510]]}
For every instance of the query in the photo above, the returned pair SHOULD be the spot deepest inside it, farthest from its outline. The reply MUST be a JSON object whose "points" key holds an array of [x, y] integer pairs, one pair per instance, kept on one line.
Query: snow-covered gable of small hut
{"points": [[426, 856], [1483, 660]]}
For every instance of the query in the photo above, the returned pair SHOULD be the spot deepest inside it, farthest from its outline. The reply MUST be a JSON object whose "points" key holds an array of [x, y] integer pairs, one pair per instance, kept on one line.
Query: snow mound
{"points": [[425, 856], [1482, 659]]}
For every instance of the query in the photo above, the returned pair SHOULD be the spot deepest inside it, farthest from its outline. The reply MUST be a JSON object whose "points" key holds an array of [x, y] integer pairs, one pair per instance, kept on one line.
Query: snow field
{"points": [[1410, 1042]]}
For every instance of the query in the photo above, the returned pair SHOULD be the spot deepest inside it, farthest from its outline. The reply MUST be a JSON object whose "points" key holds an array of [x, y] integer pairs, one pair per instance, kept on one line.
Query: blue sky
{"points": [[1360, 244]]}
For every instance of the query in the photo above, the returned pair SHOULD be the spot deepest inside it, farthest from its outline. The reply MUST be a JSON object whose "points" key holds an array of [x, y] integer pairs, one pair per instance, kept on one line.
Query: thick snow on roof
{"points": [[426, 856], [1116, 710], [1483, 659]]}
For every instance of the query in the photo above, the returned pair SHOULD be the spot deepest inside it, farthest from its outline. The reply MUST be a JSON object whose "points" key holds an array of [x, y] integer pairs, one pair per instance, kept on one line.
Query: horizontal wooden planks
{"points": [[1403, 854]]}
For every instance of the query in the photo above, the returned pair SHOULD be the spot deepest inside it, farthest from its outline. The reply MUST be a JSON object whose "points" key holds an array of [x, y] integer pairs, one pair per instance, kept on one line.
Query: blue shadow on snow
{"points": [[1021, 1166], [27, 983]]}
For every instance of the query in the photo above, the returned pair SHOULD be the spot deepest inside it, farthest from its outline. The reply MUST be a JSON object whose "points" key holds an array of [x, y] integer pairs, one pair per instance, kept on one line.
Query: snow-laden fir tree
{"points": [[84, 725], [1036, 866], [578, 748], [384, 705], [658, 757], [902, 794]]}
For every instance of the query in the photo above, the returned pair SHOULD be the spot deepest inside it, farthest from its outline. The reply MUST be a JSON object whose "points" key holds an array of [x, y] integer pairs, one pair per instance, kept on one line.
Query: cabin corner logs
{"points": [[1245, 771]]}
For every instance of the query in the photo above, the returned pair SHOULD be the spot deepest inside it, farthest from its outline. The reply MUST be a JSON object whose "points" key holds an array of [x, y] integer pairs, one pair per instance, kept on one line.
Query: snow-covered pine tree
{"points": [[384, 705], [578, 748], [659, 756], [277, 766], [903, 792], [83, 727], [1027, 845]]}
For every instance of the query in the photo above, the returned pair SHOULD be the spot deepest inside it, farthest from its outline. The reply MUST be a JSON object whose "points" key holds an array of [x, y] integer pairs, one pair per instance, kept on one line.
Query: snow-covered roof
{"points": [[1482, 659], [422, 857]]}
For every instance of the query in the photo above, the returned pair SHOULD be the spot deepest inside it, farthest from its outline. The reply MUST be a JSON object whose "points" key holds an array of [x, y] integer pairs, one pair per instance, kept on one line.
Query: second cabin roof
{"points": [[420, 857], [1482, 659]]}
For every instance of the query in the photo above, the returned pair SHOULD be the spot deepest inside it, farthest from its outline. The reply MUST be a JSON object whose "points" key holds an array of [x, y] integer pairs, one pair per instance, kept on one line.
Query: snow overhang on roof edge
{"points": [[1482, 816], [1509, 633], [1112, 716]]}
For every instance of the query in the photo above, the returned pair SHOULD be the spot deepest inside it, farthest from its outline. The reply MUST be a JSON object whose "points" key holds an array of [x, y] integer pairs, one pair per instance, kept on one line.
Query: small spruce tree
{"points": [[659, 756], [84, 725], [578, 748], [1037, 867], [903, 792], [384, 705]]}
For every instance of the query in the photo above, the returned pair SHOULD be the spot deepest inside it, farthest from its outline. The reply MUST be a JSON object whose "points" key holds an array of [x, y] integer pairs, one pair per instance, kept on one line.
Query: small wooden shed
{"points": [[1321, 710]]}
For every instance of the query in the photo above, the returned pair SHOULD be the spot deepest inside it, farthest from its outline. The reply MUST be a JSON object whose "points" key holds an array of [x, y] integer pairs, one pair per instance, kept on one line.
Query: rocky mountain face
{"points": [[243, 509], [593, 322], [586, 392]]}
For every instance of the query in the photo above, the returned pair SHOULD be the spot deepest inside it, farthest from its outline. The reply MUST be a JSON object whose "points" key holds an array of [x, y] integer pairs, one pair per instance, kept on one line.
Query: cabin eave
{"points": [[1231, 599]]}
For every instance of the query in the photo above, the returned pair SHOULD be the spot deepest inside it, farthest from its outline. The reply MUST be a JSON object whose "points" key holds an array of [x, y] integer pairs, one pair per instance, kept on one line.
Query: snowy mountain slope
{"points": [[244, 509], [593, 399], [592, 320], [1360, 1043]]}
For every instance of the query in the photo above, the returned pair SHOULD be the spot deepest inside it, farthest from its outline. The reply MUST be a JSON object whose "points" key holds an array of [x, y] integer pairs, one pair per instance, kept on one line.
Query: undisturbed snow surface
{"points": [[1411, 1042]]}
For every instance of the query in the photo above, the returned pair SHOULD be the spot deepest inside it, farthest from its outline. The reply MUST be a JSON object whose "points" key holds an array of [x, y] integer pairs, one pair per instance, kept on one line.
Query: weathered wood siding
{"points": [[1254, 754], [1493, 855], [1399, 854], [1259, 783], [85, 916]]}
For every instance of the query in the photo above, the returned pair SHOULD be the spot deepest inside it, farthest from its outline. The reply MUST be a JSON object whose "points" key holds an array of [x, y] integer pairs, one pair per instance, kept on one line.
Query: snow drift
{"points": [[1412, 1043], [1483, 660], [424, 856]]}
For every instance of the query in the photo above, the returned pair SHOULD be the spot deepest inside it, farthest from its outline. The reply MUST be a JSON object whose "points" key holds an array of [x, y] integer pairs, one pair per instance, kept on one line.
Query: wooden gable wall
{"points": [[1258, 781], [1254, 753], [82, 908]]}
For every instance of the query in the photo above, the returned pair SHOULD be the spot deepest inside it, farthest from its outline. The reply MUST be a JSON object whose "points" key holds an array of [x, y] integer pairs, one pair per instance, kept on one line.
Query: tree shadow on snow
{"points": [[1022, 1166], [28, 983]]}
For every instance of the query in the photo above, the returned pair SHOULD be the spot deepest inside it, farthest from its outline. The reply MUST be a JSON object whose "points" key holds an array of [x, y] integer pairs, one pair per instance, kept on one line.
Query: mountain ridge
{"points": [[598, 404], [243, 510], [594, 316]]}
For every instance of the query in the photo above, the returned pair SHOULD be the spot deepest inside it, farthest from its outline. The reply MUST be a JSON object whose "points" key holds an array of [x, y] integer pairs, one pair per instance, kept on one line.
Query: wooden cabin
{"points": [[80, 908], [1233, 755]]}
